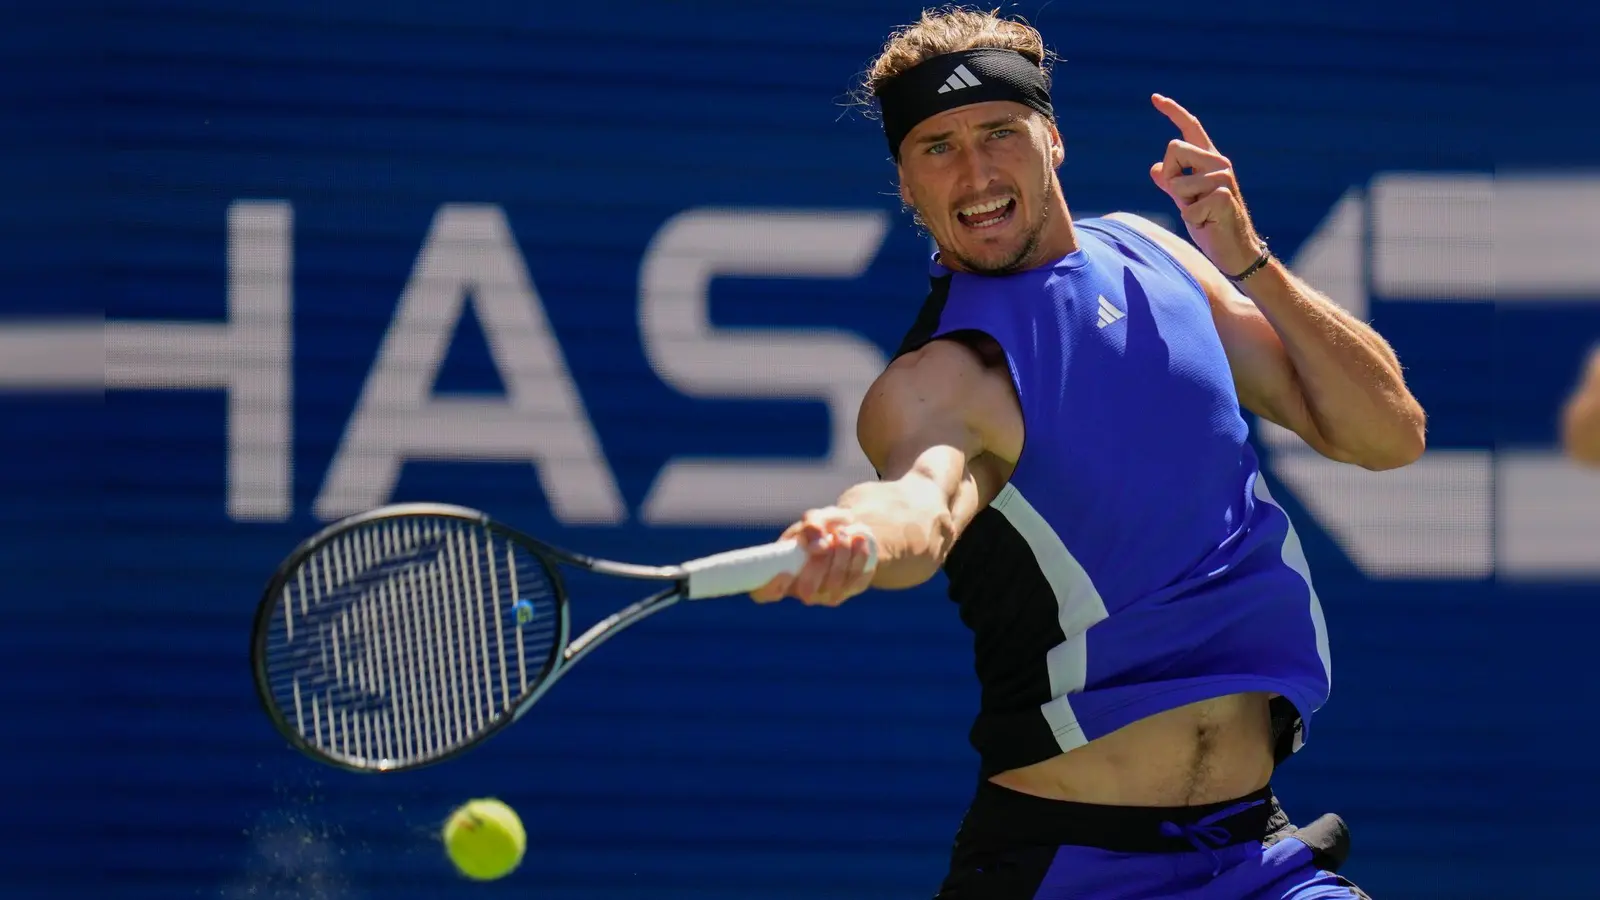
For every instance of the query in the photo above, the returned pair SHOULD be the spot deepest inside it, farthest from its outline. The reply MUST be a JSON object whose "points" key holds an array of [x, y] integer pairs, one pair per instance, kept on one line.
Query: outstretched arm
{"points": [[1299, 359], [1580, 418], [921, 425]]}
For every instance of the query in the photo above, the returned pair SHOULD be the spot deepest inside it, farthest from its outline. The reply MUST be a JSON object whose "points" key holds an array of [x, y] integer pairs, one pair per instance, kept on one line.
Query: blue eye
{"points": [[1002, 132], [938, 148]]}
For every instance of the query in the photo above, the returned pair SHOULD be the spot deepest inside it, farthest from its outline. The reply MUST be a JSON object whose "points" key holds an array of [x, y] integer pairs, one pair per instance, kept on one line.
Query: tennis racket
{"points": [[407, 635]]}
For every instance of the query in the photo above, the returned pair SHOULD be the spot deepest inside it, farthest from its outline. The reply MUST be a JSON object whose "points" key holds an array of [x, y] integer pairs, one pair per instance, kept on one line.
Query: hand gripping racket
{"points": [[407, 635]]}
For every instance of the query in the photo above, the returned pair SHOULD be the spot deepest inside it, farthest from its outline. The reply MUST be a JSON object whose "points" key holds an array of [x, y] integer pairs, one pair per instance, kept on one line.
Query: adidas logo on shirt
{"points": [[960, 78], [1109, 314]]}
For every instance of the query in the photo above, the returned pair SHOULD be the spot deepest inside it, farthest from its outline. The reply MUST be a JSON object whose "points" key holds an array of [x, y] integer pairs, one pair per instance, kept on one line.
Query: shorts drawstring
{"points": [[1205, 834]]}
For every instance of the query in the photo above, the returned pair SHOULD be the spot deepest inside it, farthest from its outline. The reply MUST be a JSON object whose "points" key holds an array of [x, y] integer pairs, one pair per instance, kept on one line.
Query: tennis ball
{"points": [[485, 839]]}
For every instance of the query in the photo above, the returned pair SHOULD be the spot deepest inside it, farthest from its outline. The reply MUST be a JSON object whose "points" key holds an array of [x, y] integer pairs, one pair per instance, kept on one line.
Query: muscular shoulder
{"points": [[936, 381], [946, 389]]}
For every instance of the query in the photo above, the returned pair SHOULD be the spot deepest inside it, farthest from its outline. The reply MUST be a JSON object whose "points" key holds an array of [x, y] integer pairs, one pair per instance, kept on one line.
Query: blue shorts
{"points": [[1012, 846]]}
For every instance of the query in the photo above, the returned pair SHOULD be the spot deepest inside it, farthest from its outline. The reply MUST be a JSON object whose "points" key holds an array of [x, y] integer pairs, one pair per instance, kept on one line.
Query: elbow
{"points": [[1394, 456], [1405, 442], [1580, 433], [1585, 454], [1395, 446]]}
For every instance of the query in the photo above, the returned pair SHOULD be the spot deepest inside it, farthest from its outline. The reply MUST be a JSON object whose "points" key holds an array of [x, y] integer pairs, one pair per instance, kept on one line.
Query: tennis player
{"points": [[1061, 433], [1580, 418]]}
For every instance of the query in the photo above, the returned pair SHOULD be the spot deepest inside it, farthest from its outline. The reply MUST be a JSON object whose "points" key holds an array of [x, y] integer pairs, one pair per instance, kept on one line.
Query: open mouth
{"points": [[988, 214]]}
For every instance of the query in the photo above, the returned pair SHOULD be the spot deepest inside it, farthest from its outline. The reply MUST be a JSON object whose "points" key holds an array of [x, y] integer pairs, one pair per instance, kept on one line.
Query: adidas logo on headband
{"points": [[960, 78], [947, 81]]}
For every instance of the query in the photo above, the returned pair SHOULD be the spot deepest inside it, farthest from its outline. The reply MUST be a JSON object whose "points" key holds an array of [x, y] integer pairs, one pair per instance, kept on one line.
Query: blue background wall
{"points": [[723, 750]]}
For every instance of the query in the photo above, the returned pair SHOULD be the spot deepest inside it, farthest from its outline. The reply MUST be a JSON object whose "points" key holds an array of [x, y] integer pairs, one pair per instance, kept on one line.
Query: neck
{"points": [[1059, 238]]}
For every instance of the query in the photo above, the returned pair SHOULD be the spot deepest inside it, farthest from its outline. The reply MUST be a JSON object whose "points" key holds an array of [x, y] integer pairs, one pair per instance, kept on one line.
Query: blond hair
{"points": [[951, 29]]}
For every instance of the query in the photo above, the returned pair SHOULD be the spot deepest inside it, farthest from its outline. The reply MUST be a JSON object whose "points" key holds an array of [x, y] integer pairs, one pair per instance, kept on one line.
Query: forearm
{"points": [[914, 522], [1352, 382]]}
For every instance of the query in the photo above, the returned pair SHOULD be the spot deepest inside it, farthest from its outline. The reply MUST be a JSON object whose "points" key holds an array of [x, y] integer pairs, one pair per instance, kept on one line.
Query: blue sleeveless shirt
{"points": [[1135, 561]]}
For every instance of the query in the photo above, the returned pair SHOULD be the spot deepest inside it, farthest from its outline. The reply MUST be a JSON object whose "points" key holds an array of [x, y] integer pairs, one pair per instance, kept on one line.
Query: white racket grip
{"points": [[742, 571]]}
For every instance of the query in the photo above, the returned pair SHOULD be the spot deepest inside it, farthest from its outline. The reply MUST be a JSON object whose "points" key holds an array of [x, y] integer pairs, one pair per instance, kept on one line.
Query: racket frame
{"points": [[563, 653]]}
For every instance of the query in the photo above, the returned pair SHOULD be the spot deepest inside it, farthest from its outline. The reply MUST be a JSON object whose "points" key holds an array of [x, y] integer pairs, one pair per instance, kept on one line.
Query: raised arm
{"points": [[1299, 359], [1580, 418], [923, 425]]}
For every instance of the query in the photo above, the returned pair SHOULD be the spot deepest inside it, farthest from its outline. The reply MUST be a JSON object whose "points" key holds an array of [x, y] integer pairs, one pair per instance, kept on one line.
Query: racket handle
{"points": [[742, 571]]}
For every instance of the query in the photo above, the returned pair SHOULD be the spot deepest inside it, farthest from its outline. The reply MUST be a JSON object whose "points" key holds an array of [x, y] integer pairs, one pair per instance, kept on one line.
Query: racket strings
{"points": [[401, 640]]}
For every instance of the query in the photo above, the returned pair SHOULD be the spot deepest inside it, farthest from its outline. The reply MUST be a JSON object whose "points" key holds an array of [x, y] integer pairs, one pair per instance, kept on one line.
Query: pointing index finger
{"points": [[1188, 125]]}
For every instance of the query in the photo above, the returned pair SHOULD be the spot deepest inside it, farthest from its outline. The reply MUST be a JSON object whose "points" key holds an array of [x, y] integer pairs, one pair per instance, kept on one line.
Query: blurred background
{"points": [[556, 261]]}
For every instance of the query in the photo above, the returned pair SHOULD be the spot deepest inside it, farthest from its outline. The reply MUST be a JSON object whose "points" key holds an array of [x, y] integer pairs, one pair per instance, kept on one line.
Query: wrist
{"points": [[1240, 271]]}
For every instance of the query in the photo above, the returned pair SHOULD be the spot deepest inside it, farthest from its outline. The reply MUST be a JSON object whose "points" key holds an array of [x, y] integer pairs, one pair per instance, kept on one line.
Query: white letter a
{"points": [[470, 249]]}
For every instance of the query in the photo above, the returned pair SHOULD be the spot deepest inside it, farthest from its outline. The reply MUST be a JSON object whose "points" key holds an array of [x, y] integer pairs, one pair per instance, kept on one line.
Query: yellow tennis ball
{"points": [[485, 839]]}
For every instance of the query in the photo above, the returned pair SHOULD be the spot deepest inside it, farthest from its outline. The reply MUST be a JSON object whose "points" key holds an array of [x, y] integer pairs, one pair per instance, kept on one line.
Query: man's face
{"points": [[981, 178]]}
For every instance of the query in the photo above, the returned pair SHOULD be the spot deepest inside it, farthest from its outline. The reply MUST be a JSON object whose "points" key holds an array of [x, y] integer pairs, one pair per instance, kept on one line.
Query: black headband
{"points": [[959, 79]]}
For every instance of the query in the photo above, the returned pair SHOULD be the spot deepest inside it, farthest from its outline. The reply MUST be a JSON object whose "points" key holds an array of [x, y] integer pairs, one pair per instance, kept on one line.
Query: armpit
{"points": [[988, 350]]}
